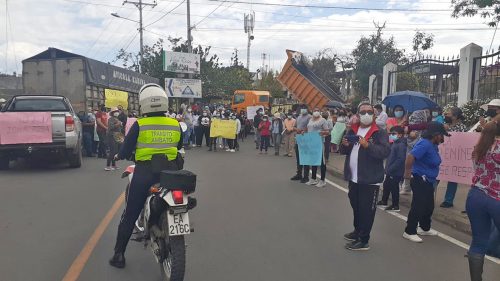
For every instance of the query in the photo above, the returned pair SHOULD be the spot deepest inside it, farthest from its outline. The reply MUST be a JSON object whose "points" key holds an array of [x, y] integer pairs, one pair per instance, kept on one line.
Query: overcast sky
{"points": [[86, 27]]}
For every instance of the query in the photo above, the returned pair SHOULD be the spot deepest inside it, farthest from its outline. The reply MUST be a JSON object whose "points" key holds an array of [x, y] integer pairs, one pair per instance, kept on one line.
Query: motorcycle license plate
{"points": [[178, 224]]}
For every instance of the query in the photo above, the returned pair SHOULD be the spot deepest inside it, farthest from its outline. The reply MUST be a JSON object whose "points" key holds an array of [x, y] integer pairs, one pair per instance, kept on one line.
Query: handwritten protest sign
{"points": [[310, 149], [23, 127], [115, 98], [456, 157], [252, 111], [223, 128], [338, 132], [130, 122]]}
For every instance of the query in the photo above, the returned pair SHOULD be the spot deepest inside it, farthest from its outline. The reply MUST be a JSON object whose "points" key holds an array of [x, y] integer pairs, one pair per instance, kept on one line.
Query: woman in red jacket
{"points": [[265, 133]]}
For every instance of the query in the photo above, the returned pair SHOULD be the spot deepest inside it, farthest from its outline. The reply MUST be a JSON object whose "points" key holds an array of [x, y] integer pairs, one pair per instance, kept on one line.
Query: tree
{"points": [[488, 9], [407, 81], [370, 56], [324, 66], [269, 83], [422, 42]]}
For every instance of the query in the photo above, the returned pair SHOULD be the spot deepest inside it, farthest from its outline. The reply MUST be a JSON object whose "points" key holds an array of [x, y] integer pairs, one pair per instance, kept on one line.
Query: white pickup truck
{"points": [[66, 140]]}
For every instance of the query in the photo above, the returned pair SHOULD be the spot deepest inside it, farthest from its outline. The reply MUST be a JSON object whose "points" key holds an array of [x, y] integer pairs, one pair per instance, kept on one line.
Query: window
{"points": [[263, 98], [38, 105], [239, 98]]}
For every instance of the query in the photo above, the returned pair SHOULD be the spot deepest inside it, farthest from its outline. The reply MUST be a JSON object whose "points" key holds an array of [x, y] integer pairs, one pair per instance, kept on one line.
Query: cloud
{"points": [[89, 29]]}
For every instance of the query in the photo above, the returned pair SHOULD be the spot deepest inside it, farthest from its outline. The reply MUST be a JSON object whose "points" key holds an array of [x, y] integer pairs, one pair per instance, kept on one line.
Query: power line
{"points": [[102, 31], [126, 47], [164, 15], [350, 29], [12, 37], [6, 36], [336, 7], [213, 11]]}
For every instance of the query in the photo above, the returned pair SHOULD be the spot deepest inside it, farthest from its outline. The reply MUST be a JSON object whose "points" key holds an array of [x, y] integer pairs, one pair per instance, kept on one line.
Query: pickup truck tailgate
{"points": [[58, 127]]}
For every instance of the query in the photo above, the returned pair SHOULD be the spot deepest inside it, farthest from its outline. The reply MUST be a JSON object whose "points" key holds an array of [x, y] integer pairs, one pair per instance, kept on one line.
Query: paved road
{"points": [[252, 223]]}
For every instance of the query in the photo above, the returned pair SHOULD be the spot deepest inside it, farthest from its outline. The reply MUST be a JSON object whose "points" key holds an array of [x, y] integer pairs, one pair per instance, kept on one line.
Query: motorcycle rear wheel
{"points": [[174, 264]]}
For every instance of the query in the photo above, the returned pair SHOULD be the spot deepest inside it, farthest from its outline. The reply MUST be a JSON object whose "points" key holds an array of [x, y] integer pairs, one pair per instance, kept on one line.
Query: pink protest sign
{"points": [[25, 127], [456, 156], [130, 122]]}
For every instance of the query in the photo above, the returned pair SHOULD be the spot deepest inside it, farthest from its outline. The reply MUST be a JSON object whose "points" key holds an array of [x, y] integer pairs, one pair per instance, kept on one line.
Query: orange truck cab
{"points": [[244, 98]]}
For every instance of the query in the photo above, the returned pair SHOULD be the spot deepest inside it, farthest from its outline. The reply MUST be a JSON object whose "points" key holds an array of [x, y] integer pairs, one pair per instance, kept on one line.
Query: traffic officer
{"points": [[153, 134]]}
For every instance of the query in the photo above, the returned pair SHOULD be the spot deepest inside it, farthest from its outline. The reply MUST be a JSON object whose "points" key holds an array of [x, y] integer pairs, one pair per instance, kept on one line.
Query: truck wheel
{"points": [[75, 160], [4, 162]]}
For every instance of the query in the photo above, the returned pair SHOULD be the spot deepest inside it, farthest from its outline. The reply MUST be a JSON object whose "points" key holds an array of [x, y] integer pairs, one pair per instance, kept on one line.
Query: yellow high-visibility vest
{"points": [[157, 135]]}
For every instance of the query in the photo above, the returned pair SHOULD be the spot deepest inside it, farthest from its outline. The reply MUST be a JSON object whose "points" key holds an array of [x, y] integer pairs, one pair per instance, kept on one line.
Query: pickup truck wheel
{"points": [[4, 162], [75, 160]]}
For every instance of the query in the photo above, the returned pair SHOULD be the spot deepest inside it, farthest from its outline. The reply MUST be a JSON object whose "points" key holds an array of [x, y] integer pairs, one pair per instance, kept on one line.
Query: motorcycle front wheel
{"points": [[174, 263]]}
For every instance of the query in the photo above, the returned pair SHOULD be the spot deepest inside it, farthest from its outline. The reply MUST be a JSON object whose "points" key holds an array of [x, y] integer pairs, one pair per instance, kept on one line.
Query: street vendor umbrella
{"points": [[334, 104], [410, 100]]}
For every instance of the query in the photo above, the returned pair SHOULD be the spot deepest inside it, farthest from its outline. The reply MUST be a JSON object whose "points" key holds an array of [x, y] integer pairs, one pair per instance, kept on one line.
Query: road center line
{"points": [[81, 260], [404, 218]]}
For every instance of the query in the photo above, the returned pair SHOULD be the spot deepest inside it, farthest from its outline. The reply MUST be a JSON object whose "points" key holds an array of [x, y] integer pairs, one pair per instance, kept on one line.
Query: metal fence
{"points": [[486, 72], [436, 77]]}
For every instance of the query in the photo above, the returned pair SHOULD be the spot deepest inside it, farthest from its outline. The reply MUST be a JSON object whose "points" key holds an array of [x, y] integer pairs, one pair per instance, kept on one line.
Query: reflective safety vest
{"points": [[157, 135]]}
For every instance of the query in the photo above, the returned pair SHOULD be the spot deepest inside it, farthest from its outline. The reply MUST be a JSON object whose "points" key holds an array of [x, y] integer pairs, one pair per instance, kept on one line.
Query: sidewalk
{"points": [[450, 216]]}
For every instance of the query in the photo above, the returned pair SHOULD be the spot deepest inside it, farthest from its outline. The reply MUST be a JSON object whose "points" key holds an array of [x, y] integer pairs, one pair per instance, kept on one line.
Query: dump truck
{"points": [[303, 84]]}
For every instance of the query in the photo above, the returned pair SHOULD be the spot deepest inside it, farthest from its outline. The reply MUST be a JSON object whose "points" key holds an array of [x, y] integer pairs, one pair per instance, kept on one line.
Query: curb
{"points": [[456, 221]]}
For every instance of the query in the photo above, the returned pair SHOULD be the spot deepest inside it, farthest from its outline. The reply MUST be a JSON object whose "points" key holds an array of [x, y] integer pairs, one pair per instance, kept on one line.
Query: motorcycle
{"points": [[164, 220]]}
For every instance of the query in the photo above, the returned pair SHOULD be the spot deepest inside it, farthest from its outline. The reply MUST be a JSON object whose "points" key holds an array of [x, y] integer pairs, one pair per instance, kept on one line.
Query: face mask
{"points": [[289, 117], [398, 114], [303, 111], [393, 137], [435, 114], [189, 110], [116, 114], [366, 119], [491, 113], [448, 120], [265, 119], [316, 114], [204, 114]]}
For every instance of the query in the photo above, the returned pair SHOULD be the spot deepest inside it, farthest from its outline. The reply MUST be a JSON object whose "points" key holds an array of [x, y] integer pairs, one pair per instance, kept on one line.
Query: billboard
{"points": [[181, 62], [183, 88]]}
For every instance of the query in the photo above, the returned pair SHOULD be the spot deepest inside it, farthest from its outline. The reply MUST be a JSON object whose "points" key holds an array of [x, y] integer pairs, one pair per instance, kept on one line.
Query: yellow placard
{"points": [[223, 128], [115, 98]]}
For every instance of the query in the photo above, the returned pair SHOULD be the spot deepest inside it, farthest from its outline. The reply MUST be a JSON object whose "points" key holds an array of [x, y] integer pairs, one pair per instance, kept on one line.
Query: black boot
{"points": [[118, 260], [476, 263]]}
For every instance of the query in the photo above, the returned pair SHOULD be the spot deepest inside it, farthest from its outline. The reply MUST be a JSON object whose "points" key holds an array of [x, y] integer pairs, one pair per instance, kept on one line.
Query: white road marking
{"points": [[404, 218]]}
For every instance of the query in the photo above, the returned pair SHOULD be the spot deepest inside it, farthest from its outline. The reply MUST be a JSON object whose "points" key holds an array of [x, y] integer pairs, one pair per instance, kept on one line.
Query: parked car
{"points": [[66, 130]]}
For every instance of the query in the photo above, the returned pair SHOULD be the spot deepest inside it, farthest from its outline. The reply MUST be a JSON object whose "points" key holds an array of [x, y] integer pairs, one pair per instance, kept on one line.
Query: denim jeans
{"points": [[494, 244], [481, 209], [87, 140], [451, 190]]}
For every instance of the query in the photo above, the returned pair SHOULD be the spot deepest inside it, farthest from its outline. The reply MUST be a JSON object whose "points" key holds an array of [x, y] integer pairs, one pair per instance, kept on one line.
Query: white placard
{"points": [[183, 88], [252, 111], [181, 62]]}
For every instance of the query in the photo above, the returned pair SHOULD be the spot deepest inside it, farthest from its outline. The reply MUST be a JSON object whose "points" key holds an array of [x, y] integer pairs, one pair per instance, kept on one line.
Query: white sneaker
{"points": [[321, 184], [232, 150], [312, 182], [412, 238], [431, 232], [227, 150], [194, 145]]}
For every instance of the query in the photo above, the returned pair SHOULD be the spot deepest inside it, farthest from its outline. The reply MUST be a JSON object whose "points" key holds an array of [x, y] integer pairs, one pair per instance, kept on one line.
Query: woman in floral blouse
{"points": [[483, 201]]}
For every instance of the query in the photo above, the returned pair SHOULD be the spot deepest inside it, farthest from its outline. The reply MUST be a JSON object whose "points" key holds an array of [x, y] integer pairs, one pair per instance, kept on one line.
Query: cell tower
{"points": [[249, 24]]}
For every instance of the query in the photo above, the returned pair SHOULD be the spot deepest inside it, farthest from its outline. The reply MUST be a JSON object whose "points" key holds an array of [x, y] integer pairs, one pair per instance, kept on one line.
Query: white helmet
{"points": [[152, 98]]}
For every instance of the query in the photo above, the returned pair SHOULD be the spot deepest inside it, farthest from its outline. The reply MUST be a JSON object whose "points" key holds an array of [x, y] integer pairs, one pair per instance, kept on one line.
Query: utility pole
{"points": [[139, 6], [189, 39], [249, 24]]}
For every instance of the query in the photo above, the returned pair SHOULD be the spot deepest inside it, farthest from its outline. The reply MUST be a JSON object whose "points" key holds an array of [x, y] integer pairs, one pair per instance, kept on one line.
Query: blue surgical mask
{"points": [[393, 137], [435, 114], [398, 114]]}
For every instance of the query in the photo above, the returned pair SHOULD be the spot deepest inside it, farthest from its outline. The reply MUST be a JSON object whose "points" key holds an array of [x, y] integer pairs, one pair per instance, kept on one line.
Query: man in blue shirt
{"points": [[422, 167]]}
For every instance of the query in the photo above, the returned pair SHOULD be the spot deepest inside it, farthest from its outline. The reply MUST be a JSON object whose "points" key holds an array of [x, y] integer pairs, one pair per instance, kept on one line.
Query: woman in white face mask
{"points": [[113, 137], [320, 125]]}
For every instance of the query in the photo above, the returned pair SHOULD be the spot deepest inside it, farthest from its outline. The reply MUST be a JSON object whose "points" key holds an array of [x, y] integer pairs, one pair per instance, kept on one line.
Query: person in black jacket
{"points": [[204, 130], [366, 147], [256, 121], [394, 169]]}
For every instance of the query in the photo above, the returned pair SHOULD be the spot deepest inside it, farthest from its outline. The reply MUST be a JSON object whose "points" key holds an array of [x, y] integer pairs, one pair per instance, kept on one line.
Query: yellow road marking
{"points": [[81, 260]]}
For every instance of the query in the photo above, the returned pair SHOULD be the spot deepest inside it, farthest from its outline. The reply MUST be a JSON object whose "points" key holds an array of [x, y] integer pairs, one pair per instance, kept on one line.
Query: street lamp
{"points": [[116, 15]]}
